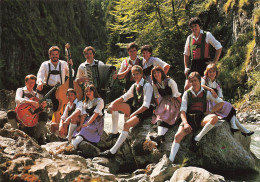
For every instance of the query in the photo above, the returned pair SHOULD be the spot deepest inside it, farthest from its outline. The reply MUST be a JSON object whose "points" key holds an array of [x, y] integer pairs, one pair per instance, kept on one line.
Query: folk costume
{"points": [[142, 96], [37, 131], [197, 48], [227, 112], [149, 64], [93, 132], [50, 76], [194, 105], [69, 109]]}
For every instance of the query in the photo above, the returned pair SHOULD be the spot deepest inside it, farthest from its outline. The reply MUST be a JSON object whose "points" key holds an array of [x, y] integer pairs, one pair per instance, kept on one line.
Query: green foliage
{"points": [[254, 83], [232, 68], [29, 28]]}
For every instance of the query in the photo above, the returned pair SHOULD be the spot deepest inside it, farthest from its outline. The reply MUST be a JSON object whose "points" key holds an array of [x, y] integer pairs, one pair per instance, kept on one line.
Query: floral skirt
{"points": [[167, 111]]}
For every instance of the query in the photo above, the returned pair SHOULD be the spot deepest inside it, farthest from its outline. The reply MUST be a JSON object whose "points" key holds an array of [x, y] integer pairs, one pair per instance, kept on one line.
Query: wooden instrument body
{"points": [[63, 100], [25, 114]]}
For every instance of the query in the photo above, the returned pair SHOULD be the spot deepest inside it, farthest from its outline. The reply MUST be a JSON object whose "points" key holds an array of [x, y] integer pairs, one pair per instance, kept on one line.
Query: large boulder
{"points": [[219, 149]]}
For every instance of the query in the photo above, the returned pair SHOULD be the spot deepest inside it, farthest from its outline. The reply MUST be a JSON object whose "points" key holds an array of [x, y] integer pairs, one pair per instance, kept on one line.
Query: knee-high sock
{"points": [[204, 131], [115, 118], [162, 130], [233, 122], [119, 141], [174, 150], [76, 141], [72, 127], [241, 127]]}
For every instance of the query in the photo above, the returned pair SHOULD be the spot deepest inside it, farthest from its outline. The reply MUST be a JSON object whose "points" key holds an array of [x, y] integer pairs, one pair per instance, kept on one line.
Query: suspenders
{"points": [[54, 72]]}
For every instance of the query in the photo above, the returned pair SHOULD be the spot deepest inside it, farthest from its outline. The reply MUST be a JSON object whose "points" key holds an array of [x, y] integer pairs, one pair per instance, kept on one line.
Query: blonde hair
{"points": [[211, 66], [137, 68]]}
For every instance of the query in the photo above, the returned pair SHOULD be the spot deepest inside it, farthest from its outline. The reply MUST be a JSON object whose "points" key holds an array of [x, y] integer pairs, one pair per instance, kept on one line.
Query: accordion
{"points": [[101, 76]]}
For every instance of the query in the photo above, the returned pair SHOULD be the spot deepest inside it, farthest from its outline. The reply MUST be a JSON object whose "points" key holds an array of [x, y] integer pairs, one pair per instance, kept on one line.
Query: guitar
{"points": [[27, 114]]}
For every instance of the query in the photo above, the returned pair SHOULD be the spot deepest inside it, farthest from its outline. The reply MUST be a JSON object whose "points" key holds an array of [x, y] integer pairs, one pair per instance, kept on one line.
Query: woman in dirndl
{"points": [[92, 122], [168, 100]]}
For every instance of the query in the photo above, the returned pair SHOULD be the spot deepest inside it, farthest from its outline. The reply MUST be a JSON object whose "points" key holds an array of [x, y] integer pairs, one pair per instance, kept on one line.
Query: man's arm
{"points": [[217, 55], [186, 64]]}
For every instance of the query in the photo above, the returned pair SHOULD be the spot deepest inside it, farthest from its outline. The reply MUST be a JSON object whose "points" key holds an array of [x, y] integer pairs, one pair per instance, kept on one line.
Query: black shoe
{"points": [[248, 134], [194, 145], [111, 136], [107, 154], [234, 130], [158, 139]]}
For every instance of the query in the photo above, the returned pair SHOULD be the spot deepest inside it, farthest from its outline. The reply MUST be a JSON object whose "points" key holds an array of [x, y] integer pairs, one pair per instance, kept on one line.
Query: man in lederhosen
{"points": [[140, 109], [125, 73], [52, 72], [194, 114], [196, 51], [23, 95]]}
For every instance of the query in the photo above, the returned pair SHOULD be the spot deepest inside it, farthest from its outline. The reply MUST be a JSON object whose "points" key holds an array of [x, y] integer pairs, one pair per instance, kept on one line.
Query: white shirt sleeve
{"points": [[187, 47], [19, 96], [42, 73], [99, 107], [148, 93], [210, 97], [159, 62], [65, 113], [129, 94], [79, 106], [123, 66], [184, 102], [203, 81], [173, 85], [211, 39]]}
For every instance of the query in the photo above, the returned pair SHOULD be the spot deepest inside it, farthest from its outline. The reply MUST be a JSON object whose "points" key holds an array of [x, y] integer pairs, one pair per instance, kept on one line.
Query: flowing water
{"points": [[234, 177]]}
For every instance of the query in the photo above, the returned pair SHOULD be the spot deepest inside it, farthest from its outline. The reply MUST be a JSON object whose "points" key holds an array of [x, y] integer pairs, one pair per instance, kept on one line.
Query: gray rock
{"points": [[191, 174], [218, 149], [163, 170]]}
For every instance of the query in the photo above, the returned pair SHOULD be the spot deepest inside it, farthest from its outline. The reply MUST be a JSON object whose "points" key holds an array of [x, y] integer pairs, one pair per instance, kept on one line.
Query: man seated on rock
{"points": [[194, 115], [24, 95], [71, 115], [141, 92]]}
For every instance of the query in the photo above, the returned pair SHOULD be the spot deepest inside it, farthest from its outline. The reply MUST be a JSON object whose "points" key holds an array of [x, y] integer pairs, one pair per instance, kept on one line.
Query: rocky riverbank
{"points": [[22, 159]]}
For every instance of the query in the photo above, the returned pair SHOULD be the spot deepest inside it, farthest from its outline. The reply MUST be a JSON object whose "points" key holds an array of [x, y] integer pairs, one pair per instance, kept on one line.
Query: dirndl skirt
{"points": [[167, 111], [93, 132]]}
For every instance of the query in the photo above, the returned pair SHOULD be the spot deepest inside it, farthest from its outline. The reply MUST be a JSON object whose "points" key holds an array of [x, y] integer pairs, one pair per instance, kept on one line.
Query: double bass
{"points": [[61, 93]]}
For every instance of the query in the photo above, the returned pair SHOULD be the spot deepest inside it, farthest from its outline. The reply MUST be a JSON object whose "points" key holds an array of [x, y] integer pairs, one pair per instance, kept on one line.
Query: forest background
{"points": [[28, 28]]}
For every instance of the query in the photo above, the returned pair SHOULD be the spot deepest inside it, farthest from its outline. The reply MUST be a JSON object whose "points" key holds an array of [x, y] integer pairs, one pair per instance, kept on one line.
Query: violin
{"points": [[61, 93]]}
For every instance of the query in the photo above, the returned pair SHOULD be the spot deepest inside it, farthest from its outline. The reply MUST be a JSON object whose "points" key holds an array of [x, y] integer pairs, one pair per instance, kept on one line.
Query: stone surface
{"points": [[190, 174]]}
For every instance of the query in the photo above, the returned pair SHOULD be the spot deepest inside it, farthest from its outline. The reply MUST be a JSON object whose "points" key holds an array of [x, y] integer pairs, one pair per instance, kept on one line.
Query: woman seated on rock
{"points": [[92, 122], [209, 82], [167, 111]]}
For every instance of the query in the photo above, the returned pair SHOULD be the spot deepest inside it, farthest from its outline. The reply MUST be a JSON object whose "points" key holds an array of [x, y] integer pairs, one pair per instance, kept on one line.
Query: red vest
{"points": [[198, 47], [198, 103]]}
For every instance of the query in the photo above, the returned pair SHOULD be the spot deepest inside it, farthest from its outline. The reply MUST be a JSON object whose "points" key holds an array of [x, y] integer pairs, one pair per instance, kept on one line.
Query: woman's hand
{"points": [[79, 128], [213, 93]]}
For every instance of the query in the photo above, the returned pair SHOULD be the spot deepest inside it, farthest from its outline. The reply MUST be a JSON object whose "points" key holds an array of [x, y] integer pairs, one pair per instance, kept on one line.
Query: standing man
{"points": [[137, 112], [52, 72], [194, 114], [196, 52], [150, 62], [125, 72]]}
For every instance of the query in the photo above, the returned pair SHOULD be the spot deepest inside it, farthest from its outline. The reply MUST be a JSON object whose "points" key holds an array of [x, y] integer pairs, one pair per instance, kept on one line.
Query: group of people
{"points": [[149, 92]]}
